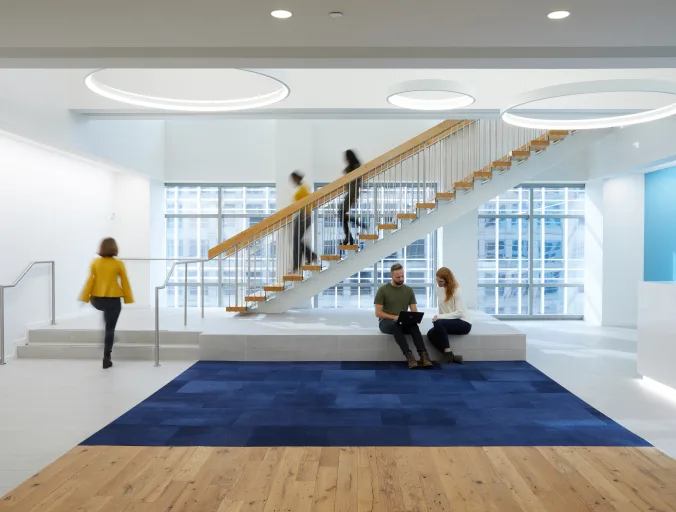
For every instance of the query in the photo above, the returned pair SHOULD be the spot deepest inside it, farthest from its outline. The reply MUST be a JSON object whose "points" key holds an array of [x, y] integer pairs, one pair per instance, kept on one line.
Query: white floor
{"points": [[48, 407]]}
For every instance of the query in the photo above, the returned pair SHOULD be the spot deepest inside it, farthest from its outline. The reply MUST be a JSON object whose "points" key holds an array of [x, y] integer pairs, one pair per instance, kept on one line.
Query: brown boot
{"points": [[412, 363], [425, 360]]}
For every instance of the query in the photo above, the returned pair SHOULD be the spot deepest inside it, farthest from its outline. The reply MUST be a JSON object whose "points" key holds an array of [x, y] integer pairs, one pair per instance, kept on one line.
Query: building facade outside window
{"points": [[531, 252], [199, 217]]}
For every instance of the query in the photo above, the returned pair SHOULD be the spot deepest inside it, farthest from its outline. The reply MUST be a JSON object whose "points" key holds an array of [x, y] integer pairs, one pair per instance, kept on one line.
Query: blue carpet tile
{"points": [[363, 404]]}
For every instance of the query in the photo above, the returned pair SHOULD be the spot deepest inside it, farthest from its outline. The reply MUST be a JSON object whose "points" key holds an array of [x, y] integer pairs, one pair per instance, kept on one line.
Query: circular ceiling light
{"points": [[593, 87], [431, 94], [336, 14], [558, 15], [188, 90], [281, 14]]}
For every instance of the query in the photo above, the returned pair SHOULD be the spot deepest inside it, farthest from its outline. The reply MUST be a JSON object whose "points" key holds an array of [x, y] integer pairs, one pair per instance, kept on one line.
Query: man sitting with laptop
{"points": [[392, 303]]}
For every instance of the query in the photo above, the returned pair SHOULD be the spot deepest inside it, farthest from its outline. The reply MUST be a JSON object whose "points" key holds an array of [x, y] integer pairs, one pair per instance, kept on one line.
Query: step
{"points": [[445, 196], [255, 298], [121, 351], [464, 185], [557, 135], [95, 336], [330, 257], [236, 309], [274, 288], [482, 175], [410, 216], [311, 268], [501, 165], [519, 155], [344, 247], [425, 206], [538, 145], [388, 226], [292, 277], [368, 236]]}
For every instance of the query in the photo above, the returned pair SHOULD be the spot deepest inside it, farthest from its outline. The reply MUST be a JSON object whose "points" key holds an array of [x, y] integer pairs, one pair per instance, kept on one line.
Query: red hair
{"points": [[448, 278]]}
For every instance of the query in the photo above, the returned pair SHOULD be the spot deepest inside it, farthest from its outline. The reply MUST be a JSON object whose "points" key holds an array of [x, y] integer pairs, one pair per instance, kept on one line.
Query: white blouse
{"points": [[454, 308]]}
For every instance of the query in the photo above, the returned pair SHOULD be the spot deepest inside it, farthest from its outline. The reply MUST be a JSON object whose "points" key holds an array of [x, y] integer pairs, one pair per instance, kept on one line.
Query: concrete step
{"points": [[122, 351], [90, 336]]}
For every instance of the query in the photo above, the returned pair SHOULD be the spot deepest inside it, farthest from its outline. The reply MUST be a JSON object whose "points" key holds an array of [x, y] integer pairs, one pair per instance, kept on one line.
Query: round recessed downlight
{"points": [[431, 94], [336, 14], [188, 90], [281, 14], [586, 88], [558, 15]]}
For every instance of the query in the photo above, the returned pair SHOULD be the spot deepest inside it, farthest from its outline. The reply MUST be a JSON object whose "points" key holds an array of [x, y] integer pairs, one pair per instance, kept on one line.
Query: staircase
{"points": [[416, 188]]}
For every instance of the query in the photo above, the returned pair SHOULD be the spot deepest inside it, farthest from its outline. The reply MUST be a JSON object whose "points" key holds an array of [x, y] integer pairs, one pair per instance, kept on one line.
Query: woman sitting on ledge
{"points": [[453, 317]]}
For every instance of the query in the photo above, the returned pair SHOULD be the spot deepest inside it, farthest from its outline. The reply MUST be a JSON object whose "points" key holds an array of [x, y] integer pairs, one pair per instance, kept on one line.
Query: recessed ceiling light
{"points": [[558, 15], [281, 14], [336, 14]]}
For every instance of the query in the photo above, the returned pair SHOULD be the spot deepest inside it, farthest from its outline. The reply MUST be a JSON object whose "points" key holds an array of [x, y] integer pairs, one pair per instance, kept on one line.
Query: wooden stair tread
{"points": [[445, 195], [501, 164], [482, 175], [387, 226], [293, 277], [464, 184], [519, 154], [343, 247], [368, 236], [425, 206], [311, 268], [539, 144], [407, 216], [236, 309], [331, 257], [274, 288], [255, 298]]}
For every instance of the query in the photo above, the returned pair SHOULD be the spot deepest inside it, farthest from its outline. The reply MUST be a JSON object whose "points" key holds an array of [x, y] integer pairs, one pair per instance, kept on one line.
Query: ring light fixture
{"points": [[592, 87], [186, 105], [443, 95]]}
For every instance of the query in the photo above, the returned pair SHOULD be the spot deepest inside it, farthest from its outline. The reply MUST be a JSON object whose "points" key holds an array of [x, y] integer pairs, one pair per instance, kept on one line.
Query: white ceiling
{"points": [[365, 90], [392, 33]]}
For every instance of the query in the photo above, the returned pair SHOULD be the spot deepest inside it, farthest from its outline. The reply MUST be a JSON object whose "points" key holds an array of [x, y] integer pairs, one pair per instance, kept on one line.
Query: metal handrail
{"points": [[185, 262], [16, 282]]}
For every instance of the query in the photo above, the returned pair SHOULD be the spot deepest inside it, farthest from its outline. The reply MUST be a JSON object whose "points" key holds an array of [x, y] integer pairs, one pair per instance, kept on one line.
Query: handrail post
{"points": [[157, 326], [185, 294], [2, 325], [53, 293], [202, 271]]}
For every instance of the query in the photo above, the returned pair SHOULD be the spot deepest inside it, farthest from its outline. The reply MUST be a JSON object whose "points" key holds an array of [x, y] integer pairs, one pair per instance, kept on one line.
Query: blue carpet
{"points": [[363, 404]]}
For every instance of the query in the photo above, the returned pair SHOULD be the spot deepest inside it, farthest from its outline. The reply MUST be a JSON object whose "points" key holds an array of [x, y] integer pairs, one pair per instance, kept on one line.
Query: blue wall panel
{"points": [[660, 226]]}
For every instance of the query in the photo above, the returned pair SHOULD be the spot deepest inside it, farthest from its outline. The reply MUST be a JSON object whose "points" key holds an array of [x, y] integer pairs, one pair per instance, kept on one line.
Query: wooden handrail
{"points": [[335, 188]]}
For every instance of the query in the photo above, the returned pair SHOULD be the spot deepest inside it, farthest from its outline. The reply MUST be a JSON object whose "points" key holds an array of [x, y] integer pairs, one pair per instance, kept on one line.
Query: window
{"points": [[418, 258], [200, 217], [531, 252]]}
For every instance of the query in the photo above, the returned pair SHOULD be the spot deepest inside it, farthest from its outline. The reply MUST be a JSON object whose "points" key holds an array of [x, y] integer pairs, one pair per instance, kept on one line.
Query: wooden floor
{"points": [[496, 479]]}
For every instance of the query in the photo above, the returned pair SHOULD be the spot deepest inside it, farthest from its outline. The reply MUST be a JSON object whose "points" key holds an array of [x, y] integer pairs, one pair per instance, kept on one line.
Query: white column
{"points": [[459, 253], [593, 252]]}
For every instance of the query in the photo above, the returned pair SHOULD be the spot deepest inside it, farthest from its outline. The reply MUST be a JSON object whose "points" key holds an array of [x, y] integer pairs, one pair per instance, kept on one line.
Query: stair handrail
{"points": [[16, 282], [335, 188]]}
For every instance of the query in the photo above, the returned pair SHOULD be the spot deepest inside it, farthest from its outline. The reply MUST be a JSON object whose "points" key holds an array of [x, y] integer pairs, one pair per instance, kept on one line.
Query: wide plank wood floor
{"points": [[493, 479]]}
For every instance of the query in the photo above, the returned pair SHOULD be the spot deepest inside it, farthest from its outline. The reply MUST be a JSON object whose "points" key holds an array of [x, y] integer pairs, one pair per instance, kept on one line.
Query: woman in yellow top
{"points": [[301, 223], [108, 283]]}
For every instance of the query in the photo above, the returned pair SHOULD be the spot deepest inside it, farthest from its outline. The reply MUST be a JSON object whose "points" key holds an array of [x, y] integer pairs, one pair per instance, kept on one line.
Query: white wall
{"points": [[593, 252], [56, 206]]}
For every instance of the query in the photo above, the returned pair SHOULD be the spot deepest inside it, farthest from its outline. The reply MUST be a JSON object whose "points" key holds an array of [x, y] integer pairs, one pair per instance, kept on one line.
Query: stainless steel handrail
{"points": [[185, 298], [17, 281]]}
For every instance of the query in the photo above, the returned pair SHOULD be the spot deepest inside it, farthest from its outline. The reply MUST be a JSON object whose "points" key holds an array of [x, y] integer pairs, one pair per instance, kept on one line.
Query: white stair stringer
{"points": [[443, 214]]}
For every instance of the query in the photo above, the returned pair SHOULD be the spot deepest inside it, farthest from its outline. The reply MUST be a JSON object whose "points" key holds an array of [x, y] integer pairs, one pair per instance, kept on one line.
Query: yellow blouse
{"points": [[107, 278]]}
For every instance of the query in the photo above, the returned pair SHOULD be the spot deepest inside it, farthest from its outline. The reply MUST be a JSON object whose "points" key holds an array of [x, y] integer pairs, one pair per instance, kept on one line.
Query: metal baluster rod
{"points": [[157, 326]]}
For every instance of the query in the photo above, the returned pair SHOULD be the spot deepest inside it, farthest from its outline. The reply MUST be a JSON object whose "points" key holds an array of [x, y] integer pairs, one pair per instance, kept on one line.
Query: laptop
{"points": [[410, 318]]}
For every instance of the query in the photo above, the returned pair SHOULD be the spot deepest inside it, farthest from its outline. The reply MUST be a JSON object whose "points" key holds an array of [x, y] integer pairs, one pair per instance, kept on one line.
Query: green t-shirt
{"points": [[394, 299]]}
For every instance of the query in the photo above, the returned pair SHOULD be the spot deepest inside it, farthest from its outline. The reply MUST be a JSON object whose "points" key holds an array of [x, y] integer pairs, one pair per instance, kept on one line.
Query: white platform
{"points": [[300, 335], [657, 332]]}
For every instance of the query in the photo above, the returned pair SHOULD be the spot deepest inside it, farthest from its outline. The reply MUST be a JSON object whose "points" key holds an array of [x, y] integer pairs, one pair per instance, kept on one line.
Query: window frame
{"points": [[530, 285]]}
